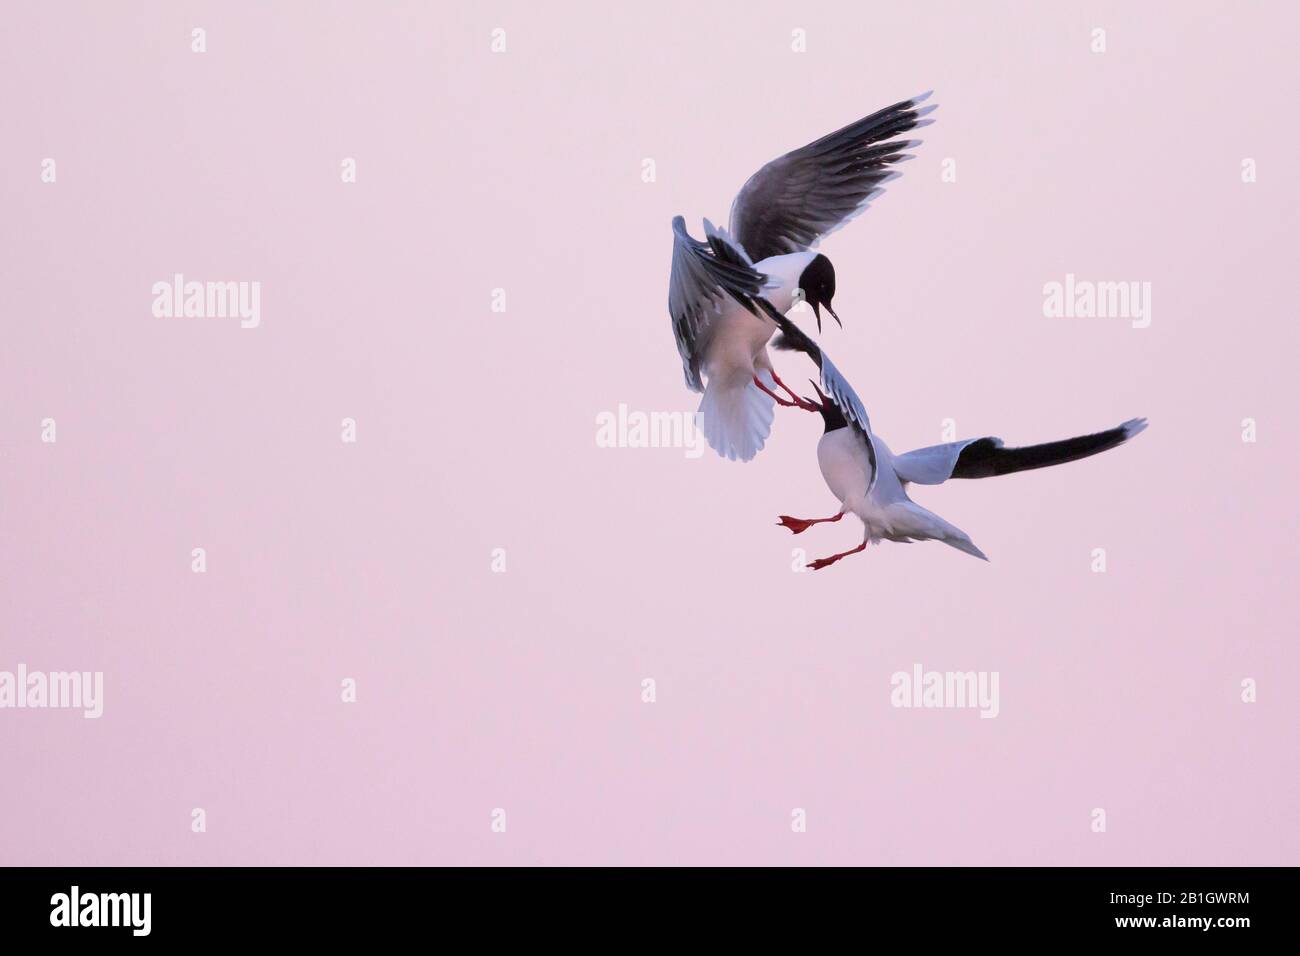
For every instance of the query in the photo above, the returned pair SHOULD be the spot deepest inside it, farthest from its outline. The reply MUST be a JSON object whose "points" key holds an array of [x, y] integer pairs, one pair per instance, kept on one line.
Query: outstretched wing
{"points": [[833, 383], [704, 274], [988, 457], [793, 202]]}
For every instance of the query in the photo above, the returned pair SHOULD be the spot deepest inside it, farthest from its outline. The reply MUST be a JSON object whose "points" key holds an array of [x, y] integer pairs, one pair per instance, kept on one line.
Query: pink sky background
{"points": [[476, 430]]}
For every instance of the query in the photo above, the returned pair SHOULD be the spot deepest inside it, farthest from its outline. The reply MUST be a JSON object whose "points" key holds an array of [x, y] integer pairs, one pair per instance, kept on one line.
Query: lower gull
{"points": [[871, 482]]}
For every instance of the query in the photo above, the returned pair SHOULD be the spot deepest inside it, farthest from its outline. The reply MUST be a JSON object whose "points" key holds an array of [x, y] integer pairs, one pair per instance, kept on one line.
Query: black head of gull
{"points": [[832, 417], [818, 284]]}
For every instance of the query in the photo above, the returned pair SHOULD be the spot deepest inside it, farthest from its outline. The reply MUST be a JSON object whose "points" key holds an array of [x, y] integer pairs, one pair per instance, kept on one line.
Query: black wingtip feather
{"points": [[988, 458]]}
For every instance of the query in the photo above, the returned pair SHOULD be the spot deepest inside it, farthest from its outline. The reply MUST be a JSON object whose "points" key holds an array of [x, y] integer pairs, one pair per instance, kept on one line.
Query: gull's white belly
{"points": [[846, 466], [736, 341], [738, 338]]}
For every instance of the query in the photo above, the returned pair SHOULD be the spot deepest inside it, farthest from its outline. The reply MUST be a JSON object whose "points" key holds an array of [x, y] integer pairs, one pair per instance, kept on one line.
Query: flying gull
{"points": [[871, 482], [777, 219]]}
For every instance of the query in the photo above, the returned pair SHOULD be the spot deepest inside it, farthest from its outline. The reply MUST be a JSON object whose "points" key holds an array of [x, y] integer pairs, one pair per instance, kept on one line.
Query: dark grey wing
{"points": [[833, 383], [794, 201], [704, 275], [988, 457]]}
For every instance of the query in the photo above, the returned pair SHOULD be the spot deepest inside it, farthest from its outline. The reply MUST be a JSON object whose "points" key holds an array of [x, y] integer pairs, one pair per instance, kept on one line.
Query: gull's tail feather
{"points": [[962, 542], [736, 418], [910, 521]]}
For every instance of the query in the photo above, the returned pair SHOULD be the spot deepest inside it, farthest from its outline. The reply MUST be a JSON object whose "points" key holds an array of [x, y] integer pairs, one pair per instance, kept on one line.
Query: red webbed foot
{"points": [[800, 525], [827, 562]]}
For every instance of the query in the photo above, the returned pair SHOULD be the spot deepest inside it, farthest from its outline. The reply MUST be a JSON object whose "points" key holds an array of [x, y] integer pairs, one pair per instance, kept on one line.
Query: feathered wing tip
{"points": [[1134, 426], [989, 457], [783, 343]]}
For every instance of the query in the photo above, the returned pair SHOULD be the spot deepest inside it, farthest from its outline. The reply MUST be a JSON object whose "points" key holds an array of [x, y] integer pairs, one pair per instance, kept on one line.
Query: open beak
{"points": [[816, 306]]}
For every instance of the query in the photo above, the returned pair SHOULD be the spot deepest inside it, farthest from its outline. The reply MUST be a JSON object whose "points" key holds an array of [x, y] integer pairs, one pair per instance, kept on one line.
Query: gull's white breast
{"points": [[845, 465], [737, 337]]}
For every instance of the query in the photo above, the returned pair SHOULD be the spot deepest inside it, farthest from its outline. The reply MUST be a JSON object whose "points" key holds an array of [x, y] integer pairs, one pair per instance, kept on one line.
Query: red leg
{"points": [[827, 562], [804, 403], [781, 385], [799, 525], [797, 403]]}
